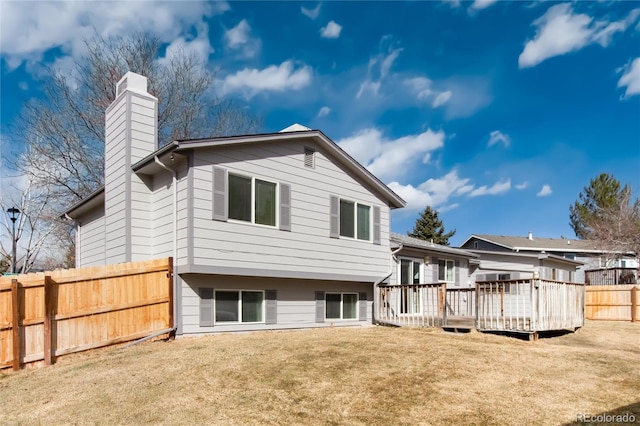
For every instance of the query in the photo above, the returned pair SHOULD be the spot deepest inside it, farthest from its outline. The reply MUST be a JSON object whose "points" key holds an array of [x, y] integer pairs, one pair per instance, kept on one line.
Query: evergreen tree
{"points": [[429, 227], [602, 194]]}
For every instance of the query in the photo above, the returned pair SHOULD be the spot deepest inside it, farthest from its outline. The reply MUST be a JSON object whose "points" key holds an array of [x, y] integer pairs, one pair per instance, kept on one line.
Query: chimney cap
{"points": [[131, 81]]}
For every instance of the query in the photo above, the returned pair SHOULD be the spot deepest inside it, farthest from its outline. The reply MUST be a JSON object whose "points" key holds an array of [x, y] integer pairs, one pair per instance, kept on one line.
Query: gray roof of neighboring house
{"points": [[539, 244], [407, 241]]}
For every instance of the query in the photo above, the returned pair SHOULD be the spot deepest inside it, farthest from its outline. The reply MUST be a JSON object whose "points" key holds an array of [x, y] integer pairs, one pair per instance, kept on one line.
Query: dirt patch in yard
{"points": [[365, 376]]}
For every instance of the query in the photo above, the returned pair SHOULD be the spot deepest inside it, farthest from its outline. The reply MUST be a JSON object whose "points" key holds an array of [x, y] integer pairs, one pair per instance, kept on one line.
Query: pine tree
{"points": [[429, 227]]}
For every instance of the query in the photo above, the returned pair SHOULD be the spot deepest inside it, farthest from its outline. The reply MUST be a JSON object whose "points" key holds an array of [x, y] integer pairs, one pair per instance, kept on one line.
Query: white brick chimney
{"points": [[131, 134]]}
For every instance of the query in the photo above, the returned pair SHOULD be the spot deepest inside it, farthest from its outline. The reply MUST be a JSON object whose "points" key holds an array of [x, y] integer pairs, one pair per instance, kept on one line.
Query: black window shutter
{"points": [[285, 207], [320, 306], [271, 297], [376, 225], [362, 296], [206, 307], [220, 185], [334, 217]]}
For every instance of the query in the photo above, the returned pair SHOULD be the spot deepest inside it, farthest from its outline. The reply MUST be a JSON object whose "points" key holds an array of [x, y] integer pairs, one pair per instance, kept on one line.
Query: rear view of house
{"points": [[278, 230]]}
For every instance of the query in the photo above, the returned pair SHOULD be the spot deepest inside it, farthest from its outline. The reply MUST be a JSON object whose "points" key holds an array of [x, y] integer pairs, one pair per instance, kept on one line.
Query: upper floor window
{"points": [[354, 220], [446, 270], [251, 199]]}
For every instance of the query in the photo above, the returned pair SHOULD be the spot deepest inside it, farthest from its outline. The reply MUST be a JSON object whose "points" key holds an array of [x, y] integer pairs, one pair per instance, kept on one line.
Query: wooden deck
{"points": [[513, 306]]}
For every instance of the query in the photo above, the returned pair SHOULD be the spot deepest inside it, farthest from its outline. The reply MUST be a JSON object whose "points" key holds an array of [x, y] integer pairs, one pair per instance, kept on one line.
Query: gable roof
{"points": [[411, 242], [538, 244], [149, 166]]}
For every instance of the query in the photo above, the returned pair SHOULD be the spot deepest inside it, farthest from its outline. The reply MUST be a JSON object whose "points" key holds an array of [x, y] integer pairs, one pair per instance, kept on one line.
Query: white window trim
{"points": [[253, 201], [421, 269], [342, 305], [215, 304], [453, 268], [355, 220]]}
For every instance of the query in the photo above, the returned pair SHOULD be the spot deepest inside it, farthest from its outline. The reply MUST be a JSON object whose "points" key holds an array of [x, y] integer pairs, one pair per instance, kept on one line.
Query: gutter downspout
{"points": [[376, 291], [78, 238], [176, 320]]}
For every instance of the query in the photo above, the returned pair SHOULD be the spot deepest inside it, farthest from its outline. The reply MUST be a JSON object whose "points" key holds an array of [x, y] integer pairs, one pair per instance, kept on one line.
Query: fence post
{"points": [[634, 304], [172, 280], [48, 304], [15, 323]]}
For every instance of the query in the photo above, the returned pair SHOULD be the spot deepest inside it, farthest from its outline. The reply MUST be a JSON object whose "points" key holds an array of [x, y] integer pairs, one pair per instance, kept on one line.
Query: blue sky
{"points": [[496, 114]]}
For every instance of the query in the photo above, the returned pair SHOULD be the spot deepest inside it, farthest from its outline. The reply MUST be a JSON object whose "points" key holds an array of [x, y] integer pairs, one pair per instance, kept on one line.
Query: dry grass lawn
{"points": [[364, 376]]}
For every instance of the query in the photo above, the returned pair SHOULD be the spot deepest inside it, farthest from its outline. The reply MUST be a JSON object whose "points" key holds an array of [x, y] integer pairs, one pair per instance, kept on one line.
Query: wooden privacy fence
{"points": [[46, 315], [615, 303], [529, 305]]}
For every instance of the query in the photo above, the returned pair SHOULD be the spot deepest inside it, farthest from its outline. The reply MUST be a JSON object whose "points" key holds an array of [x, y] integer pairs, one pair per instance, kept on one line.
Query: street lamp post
{"points": [[14, 212]]}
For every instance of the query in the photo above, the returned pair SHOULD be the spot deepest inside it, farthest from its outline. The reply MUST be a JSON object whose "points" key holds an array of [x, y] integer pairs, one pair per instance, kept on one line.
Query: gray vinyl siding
{"points": [[307, 248], [524, 267], [430, 271], [162, 215], [91, 241], [130, 135], [295, 303], [143, 142], [116, 180]]}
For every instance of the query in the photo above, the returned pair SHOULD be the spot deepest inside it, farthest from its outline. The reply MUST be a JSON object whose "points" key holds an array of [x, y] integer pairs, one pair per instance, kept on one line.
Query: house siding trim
{"points": [[127, 200], [190, 206], [249, 272]]}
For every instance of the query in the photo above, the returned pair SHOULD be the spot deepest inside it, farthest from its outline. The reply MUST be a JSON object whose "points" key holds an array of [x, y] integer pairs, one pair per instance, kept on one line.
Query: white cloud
{"points": [[546, 190], [324, 111], [442, 99], [482, 4], [23, 85], [311, 13], [199, 47], [332, 30], [29, 32], [285, 76], [560, 31], [432, 192], [238, 35], [239, 38], [379, 67], [630, 78], [420, 86], [496, 189], [497, 136], [391, 159], [522, 186]]}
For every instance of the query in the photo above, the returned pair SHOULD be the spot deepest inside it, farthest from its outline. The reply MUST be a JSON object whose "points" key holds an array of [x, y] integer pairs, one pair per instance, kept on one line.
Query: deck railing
{"points": [[416, 305], [611, 276], [460, 302], [529, 305]]}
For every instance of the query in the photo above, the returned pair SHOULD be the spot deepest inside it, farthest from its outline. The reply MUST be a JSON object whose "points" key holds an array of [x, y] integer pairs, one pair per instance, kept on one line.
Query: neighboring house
{"points": [[423, 262], [279, 230], [553, 258]]}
